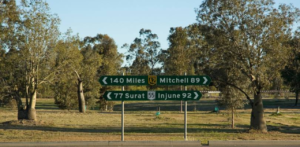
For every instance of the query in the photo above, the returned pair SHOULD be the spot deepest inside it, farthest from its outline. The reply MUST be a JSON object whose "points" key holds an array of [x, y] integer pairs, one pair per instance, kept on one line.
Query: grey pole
{"points": [[122, 117], [185, 116]]}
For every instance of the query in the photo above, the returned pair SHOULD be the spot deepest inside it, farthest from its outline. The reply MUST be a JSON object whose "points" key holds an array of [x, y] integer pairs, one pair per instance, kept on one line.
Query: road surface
{"points": [[246, 143]]}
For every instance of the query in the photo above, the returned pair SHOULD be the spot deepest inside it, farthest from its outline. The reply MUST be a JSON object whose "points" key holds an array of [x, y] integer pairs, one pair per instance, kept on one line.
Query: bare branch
{"points": [[241, 90], [55, 70]]}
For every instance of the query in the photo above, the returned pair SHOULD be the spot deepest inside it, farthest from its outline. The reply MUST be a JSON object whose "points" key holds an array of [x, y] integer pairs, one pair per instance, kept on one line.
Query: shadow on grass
{"points": [[289, 129], [167, 106], [47, 106], [202, 105], [173, 128], [162, 128]]}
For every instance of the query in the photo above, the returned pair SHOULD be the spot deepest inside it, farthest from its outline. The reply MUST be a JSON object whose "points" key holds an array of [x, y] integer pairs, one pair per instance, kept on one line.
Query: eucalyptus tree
{"points": [[232, 99], [9, 24], [254, 31], [291, 72], [111, 61], [75, 65], [28, 31], [11, 80], [67, 60], [39, 32], [10, 65], [90, 65], [202, 58], [177, 61], [107, 48], [144, 52], [227, 77]]}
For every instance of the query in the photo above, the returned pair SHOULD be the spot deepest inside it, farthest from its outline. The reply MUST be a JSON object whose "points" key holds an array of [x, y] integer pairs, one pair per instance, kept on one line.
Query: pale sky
{"points": [[122, 19]]}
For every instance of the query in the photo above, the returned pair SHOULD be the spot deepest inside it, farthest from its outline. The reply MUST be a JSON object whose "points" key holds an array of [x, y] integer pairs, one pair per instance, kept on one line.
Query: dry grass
{"points": [[60, 125]]}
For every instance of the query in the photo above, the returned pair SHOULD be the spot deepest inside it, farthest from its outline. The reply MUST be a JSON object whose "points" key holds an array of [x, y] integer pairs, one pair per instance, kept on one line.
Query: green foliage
{"points": [[38, 36], [11, 77], [177, 60], [249, 38], [107, 48], [67, 57], [291, 72], [10, 63], [9, 23], [106, 61], [89, 74], [276, 114], [232, 98], [65, 94], [143, 53], [250, 35]]}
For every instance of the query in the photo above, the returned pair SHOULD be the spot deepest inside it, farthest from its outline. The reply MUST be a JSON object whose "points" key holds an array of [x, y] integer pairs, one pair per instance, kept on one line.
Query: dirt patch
{"points": [[28, 123]]}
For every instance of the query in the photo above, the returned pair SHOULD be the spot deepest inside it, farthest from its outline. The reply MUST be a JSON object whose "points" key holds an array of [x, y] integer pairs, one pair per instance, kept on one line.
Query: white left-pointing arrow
{"points": [[205, 80], [108, 95], [196, 95], [104, 80]]}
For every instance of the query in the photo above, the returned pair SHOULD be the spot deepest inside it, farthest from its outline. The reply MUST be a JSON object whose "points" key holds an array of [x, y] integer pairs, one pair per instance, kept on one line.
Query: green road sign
{"points": [[152, 95], [154, 80], [183, 80], [123, 80]]}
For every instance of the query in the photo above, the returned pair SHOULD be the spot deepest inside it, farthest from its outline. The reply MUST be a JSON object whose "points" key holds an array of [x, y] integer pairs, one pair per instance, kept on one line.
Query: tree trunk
{"points": [[31, 110], [81, 99], [27, 96], [232, 118], [257, 114], [22, 112], [297, 97]]}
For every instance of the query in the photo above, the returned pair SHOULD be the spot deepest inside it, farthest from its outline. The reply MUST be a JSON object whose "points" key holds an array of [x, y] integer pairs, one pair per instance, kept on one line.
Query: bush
{"points": [[12, 103], [276, 114]]}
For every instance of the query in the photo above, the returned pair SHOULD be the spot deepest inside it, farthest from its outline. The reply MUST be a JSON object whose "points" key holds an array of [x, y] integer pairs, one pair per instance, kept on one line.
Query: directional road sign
{"points": [[183, 80], [154, 80], [123, 80], [152, 95]]}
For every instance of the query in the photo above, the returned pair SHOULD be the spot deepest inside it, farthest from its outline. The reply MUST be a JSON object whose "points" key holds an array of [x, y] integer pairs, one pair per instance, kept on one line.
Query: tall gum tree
{"points": [[291, 72], [68, 56], [89, 73], [178, 57], [10, 63], [184, 48], [111, 61], [39, 32], [143, 52], [254, 32], [106, 47]]}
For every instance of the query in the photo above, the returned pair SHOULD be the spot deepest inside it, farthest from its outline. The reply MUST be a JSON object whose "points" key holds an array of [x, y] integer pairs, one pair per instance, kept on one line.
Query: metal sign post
{"points": [[185, 116], [122, 118], [185, 120], [122, 121], [160, 80]]}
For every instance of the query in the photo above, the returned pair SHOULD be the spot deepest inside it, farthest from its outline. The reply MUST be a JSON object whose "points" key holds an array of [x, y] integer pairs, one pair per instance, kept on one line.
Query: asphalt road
{"points": [[271, 143], [105, 144], [253, 143]]}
